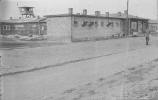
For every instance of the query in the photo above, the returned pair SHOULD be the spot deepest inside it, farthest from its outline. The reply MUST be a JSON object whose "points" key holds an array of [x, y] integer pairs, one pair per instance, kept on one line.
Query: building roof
{"points": [[124, 16], [25, 7], [153, 21], [28, 20], [115, 15]]}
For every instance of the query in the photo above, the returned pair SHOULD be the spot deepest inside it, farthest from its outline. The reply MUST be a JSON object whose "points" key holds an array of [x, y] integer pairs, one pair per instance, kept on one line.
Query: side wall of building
{"points": [[138, 25], [59, 28], [153, 27], [85, 28], [23, 28]]}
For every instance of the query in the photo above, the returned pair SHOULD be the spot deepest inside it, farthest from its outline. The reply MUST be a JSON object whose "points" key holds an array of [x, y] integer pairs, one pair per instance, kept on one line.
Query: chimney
{"points": [[125, 12], [107, 14], [84, 11], [78, 14], [11, 18], [70, 11], [97, 13], [38, 17], [119, 13]]}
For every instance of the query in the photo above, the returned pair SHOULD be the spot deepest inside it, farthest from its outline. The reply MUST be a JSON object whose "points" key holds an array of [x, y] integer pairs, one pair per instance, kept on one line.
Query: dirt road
{"points": [[115, 71]]}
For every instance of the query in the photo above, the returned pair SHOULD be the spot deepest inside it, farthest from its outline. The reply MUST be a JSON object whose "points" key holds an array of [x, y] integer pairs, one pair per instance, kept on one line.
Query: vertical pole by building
{"points": [[157, 9], [127, 18], [0, 88], [39, 28]]}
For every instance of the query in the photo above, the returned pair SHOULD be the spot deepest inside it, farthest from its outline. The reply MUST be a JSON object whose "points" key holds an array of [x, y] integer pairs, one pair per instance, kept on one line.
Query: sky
{"points": [[142, 8]]}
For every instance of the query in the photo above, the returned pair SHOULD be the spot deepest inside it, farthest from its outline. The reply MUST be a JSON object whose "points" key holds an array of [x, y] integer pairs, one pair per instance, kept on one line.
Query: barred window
{"points": [[110, 24], [75, 22], [6, 27]]}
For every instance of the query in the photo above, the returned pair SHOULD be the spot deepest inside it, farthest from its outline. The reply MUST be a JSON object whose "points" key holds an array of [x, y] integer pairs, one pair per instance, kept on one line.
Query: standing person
{"points": [[147, 38]]}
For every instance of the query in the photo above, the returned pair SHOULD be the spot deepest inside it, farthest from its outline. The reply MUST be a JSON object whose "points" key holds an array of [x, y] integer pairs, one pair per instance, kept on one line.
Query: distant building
{"points": [[74, 27], [27, 24], [33, 26], [153, 25], [77, 27]]}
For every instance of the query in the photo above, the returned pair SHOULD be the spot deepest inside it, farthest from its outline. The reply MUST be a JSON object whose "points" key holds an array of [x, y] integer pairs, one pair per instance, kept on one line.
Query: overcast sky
{"points": [[142, 8]]}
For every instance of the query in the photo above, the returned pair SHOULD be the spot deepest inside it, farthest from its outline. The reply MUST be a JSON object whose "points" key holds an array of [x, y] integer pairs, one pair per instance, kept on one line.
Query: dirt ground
{"points": [[137, 83], [124, 69]]}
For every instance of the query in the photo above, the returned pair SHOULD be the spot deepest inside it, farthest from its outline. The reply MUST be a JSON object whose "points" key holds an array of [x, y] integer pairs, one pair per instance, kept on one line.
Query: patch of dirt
{"points": [[136, 83]]}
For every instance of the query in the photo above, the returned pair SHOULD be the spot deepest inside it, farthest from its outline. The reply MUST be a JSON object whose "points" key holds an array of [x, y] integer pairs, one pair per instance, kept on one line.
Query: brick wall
{"points": [[92, 28]]}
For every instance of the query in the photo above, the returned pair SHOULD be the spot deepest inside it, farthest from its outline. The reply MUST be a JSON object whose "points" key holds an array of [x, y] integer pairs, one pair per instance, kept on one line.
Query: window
{"points": [[19, 27], [91, 24], [102, 24], [155, 28], [75, 22], [4, 27], [134, 25], [110, 24], [34, 25], [12, 27], [30, 9], [84, 23], [22, 9], [117, 24], [42, 28], [8, 27], [96, 24]]}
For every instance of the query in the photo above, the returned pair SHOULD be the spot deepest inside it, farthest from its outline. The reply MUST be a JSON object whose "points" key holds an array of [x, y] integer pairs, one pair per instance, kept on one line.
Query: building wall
{"points": [[138, 25], [83, 29], [153, 27], [23, 28], [6, 28], [59, 28]]}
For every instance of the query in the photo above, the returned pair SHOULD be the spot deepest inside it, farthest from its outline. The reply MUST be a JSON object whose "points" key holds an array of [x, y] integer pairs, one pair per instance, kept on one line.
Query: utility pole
{"points": [[127, 17], [157, 9]]}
